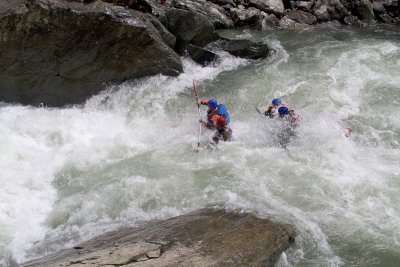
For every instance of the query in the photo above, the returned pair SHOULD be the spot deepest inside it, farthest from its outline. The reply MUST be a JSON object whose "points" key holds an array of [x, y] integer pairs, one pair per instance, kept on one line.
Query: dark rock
{"points": [[385, 18], [251, 17], [302, 17], [271, 21], [140, 5], [243, 48], [378, 7], [197, 54], [191, 27], [269, 6], [326, 10], [227, 7], [224, 2], [363, 9], [241, 2], [306, 6], [392, 7], [287, 4], [201, 56], [202, 238], [166, 36], [287, 23], [57, 52], [213, 12], [349, 20]]}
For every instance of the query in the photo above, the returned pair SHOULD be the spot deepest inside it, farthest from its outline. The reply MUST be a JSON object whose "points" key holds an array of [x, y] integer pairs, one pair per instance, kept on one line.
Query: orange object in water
{"points": [[219, 121]]}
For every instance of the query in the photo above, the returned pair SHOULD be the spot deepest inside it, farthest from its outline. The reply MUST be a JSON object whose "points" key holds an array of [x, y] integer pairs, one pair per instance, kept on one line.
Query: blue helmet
{"points": [[212, 103], [276, 102], [282, 111]]}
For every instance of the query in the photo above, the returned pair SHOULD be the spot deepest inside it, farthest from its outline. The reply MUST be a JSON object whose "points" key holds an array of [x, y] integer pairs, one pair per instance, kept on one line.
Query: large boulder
{"points": [[304, 5], [271, 22], [363, 9], [213, 12], [250, 17], [166, 36], [326, 10], [302, 17], [192, 27], [378, 7], [58, 52], [202, 238], [269, 6]]}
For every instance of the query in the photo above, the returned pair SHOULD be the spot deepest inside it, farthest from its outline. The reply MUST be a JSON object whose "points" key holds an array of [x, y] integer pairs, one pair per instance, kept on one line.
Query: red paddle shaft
{"points": [[198, 108]]}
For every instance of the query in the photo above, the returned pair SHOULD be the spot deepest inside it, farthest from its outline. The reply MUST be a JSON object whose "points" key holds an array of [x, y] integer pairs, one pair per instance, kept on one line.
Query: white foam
{"points": [[127, 156]]}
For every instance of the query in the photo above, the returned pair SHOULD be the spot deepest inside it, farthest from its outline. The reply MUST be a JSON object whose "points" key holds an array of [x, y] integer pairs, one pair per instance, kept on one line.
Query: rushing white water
{"points": [[127, 156]]}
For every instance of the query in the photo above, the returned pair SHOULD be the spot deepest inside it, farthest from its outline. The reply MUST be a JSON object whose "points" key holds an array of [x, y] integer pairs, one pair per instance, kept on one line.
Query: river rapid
{"points": [[128, 155]]}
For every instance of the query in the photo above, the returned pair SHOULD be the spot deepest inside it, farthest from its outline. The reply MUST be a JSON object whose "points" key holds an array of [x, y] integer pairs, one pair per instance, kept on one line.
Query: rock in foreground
{"points": [[205, 237]]}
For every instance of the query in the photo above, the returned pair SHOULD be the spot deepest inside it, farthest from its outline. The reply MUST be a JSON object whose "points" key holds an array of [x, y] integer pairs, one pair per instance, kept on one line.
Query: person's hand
{"points": [[269, 114]]}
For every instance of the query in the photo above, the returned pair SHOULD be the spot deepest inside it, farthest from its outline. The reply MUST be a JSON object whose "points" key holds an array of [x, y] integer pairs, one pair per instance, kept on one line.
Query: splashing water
{"points": [[128, 156]]}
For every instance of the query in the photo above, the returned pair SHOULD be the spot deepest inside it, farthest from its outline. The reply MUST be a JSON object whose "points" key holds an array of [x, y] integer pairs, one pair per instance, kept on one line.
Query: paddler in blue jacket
{"points": [[272, 108], [217, 119]]}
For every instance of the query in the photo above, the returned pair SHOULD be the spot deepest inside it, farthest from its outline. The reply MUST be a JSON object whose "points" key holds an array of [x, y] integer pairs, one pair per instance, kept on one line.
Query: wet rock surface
{"points": [[242, 48], [61, 52], [206, 237]]}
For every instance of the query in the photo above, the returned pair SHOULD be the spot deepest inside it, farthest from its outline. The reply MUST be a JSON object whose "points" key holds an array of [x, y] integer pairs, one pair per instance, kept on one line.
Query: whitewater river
{"points": [[128, 155]]}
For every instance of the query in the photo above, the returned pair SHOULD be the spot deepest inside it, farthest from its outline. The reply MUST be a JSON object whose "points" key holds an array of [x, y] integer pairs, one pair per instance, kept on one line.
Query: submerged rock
{"points": [[61, 52], [205, 237]]}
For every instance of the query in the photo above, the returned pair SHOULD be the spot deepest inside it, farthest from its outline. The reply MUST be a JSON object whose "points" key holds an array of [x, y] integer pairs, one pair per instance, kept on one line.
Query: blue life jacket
{"points": [[221, 110]]}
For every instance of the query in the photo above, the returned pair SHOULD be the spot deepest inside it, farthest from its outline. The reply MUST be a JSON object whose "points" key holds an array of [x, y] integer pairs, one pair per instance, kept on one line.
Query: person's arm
{"points": [[293, 117], [206, 124], [203, 102], [268, 111], [202, 122]]}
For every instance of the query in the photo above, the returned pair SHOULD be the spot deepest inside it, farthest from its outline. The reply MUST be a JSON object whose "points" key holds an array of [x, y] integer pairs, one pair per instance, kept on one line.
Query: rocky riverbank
{"points": [[56, 52], [205, 237], [59, 52]]}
